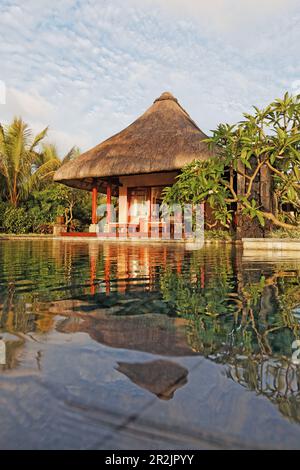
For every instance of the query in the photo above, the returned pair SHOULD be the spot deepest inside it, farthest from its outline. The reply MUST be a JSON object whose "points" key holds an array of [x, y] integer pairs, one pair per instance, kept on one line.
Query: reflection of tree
{"points": [[248, 325], [32, 274], [38, 272], [251, 317], [276, 379]]}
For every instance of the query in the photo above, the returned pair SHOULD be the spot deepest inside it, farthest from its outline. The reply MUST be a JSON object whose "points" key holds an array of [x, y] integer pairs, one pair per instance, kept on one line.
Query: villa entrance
{"points": [[138, 204], [143, 208], [142, 201]]}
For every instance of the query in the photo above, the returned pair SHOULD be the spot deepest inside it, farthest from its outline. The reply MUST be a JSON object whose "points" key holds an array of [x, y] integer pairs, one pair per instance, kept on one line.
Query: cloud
{"points": [[228, 15], [88, 68], [31, 105]]}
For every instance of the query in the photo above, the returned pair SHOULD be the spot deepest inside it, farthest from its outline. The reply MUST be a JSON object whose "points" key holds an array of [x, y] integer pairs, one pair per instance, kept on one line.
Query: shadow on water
{"points": [[160, 300], [160, 377]]}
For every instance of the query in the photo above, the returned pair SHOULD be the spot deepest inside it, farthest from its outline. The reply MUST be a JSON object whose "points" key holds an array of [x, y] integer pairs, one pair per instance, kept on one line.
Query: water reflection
{"points": [[245, 317], [160, 300], [151, 333], [162, 378]]}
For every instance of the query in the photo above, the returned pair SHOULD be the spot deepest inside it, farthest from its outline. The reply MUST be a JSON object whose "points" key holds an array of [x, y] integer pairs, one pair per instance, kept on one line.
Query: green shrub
{"points": [[17, 220], [45, 229], [3, 207], [216, 234]]}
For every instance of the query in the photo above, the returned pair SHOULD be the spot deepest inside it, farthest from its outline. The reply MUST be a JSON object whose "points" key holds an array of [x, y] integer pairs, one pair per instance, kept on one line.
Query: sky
{"points": [[88, 68]]}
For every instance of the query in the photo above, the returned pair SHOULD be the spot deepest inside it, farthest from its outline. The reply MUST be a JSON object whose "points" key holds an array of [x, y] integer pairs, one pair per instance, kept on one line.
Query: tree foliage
{"points": [[25, 162], [267, 139], [19, 158], [29, 200]]}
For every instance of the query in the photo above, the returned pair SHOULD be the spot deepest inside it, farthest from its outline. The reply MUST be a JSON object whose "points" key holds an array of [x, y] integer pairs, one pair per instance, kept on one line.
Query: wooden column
{"points": [[94, 205], [108, 203]]}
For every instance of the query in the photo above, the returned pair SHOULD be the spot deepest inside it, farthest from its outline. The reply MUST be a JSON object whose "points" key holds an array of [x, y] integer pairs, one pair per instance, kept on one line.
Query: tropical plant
{"points": [[24, 163], [269, 141], [49, 161], [53, 200], [17, 220], [18, 157], [74, 203]]}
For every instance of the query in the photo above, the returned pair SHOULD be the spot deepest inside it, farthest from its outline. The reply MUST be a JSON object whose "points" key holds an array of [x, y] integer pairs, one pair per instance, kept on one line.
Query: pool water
{"points": [[131, 346]]}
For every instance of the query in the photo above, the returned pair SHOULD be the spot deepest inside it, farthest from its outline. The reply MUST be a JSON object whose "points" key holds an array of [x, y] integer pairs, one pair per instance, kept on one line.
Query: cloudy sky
{"points": [[88, 68]]}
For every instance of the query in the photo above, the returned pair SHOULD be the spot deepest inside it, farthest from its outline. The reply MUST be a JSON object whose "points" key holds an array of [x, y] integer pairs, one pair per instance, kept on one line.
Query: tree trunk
{"points": [[245, 226], [262, 193], [266, 197]]}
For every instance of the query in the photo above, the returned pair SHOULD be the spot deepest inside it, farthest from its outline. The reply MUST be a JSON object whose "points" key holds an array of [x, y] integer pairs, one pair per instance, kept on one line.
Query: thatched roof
{"points": [[164, 138]]}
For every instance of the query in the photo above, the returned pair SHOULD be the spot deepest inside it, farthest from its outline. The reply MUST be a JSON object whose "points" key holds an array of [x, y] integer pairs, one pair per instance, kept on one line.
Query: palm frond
{"points": [[18, 157], [39, 137], [73, 153]]}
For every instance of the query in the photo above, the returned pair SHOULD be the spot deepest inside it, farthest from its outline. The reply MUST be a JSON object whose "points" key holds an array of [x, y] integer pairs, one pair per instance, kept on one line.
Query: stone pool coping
{"points": [[249, 244], [115, 240], [278, 244]]}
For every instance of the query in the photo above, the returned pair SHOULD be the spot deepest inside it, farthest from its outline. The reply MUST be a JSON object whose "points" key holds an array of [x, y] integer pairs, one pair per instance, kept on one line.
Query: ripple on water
{"points": [[116, 345]]}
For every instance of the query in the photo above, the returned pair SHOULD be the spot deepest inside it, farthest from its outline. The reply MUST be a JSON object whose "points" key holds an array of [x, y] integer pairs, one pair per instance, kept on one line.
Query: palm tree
{"points": [[24, 163], [48, 161], [18, 155]]}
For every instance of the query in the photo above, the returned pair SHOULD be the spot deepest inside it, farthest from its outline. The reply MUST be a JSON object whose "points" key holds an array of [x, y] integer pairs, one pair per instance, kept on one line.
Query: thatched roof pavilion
{"points": [[160, 142], [164, 138]]}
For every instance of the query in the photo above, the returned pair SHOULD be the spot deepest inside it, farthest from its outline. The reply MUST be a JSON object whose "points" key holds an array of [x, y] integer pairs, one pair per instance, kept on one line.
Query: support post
{"points": [[94, 205], [108, 203]]}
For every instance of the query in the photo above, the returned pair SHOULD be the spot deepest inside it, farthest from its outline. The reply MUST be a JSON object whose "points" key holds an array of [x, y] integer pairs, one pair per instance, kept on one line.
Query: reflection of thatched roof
{"points": [[155, 334], [164, 138], [160, 377]]}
